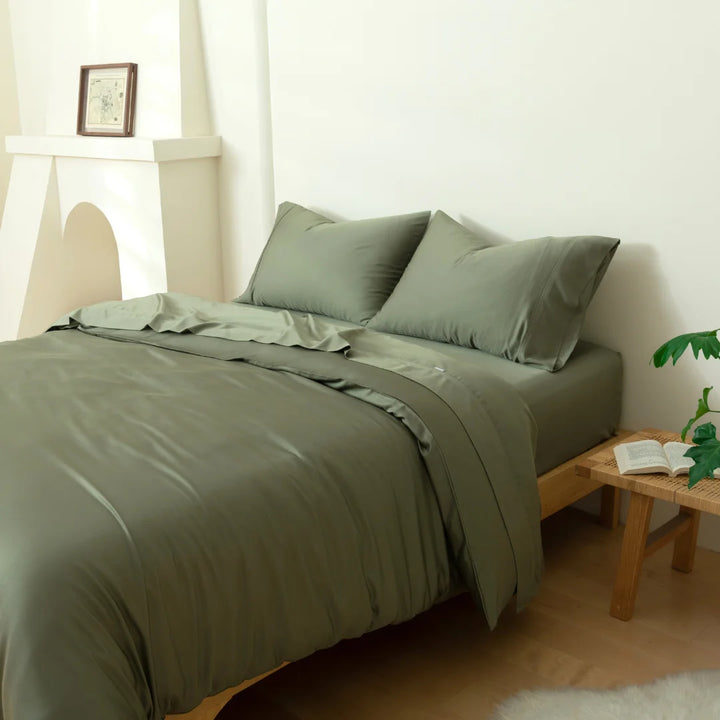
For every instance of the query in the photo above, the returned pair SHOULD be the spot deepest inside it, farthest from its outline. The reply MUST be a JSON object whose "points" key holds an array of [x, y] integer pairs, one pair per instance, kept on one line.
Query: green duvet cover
{"points": [[193, 492]]}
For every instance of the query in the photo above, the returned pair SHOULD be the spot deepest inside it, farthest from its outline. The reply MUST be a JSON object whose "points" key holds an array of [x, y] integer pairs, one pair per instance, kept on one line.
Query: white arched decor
{"points": [[82, 264], [159, 197]]}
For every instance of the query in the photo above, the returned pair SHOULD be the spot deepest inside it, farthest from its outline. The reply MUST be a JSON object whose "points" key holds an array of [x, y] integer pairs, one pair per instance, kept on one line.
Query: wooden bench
{"points": [[638, 543]]}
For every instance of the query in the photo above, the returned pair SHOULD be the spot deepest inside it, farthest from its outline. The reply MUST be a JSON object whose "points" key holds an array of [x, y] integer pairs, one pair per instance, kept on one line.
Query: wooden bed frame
{"points": [[558, 488]]}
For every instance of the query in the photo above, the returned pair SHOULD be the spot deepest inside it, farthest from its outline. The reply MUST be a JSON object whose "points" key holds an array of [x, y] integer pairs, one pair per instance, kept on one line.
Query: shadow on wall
{"points": [[79, 268], [634, 314]]}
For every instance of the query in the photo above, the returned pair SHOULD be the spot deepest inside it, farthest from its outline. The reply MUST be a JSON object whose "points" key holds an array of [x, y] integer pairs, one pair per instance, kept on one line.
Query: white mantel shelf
{"points": [[163, 215], [115, 148]]}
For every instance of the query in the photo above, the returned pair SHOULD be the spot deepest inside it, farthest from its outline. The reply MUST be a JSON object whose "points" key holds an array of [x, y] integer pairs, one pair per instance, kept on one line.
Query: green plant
{"points": [[706, 452]]}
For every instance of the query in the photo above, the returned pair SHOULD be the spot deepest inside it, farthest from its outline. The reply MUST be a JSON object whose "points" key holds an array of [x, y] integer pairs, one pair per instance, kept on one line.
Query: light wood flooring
{"points": [[446, 665]]}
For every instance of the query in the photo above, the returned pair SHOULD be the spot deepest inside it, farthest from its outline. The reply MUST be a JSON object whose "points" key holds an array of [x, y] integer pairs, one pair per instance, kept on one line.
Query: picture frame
{"points": [[106, 99]]}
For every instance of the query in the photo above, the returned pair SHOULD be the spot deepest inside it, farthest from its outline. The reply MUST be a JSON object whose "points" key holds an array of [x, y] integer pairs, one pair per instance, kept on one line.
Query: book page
{"points": [[674, 451], [643, 456]]}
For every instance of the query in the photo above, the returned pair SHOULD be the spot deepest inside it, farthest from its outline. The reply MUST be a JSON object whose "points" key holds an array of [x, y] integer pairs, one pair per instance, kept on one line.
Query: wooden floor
{"points": [[446, 665]]}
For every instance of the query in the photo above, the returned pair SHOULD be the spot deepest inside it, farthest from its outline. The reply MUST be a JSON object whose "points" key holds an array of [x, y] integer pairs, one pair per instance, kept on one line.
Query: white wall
{"points": [[9, 119], [554, 118], [235, 40], [53, 39]]}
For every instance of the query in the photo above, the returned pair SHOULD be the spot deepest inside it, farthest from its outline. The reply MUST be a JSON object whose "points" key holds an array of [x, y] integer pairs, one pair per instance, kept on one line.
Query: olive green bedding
{"points": [[193, 492], [574, 409], [524, 301]]}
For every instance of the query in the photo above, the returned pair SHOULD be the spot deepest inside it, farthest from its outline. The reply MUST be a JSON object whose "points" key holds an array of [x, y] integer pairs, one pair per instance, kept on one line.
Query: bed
{"points": [[196, 492]]}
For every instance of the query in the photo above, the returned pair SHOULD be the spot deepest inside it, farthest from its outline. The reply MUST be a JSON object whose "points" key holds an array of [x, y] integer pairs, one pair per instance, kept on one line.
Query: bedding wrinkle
{"points": [[82, 482], [174, 312], [532, 318], [165, 455], [567, 297], [468, 254]]}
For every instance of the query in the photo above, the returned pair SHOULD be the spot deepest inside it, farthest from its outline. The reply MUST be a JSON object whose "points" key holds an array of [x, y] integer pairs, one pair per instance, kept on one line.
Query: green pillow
{"points": [[343, 270], [524, 301]]}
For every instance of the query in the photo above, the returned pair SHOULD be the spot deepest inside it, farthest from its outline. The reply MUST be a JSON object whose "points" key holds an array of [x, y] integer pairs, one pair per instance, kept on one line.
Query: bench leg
{"points": [[631, 556], [610, 507], [684, 551]]}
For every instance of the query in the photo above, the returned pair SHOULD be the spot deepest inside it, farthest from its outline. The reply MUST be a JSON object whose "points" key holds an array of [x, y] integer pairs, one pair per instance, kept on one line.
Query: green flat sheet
{"points": [[172, 523]]}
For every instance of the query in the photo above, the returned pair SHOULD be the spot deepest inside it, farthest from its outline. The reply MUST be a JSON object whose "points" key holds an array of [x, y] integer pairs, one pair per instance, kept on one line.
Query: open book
{"points": [[649, 456]]}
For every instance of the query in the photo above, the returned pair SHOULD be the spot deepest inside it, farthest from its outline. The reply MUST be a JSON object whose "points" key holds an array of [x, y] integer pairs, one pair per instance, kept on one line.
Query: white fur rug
{"points": [[687, 696]]}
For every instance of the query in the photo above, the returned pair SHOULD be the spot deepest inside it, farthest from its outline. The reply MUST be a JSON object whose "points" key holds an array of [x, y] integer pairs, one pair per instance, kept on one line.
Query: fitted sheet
{"points": [[574, 408]]}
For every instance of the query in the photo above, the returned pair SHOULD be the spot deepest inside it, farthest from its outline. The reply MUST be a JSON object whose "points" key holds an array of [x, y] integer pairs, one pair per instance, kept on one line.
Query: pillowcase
{"points": [[524, 301], [343, 270]]}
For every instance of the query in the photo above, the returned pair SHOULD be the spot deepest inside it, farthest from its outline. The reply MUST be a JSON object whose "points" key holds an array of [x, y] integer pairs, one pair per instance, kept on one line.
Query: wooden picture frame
{"points": [[106, 99]]}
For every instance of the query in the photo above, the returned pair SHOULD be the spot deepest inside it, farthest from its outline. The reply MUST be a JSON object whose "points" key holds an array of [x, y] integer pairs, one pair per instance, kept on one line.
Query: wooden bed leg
{"points": [[610, 507]]}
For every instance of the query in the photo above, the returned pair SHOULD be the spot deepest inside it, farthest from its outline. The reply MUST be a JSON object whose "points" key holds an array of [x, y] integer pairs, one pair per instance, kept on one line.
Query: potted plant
{"points": [[706, 452]]}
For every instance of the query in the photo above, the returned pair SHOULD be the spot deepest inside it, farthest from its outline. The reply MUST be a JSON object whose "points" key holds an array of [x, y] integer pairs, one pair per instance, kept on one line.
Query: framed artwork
{"points": [[106, 101]]}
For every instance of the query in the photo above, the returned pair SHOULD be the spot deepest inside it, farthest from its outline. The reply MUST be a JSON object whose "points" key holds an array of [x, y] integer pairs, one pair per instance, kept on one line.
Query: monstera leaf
{"points": [[706, 343], [706, 453], [702, 409]]}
